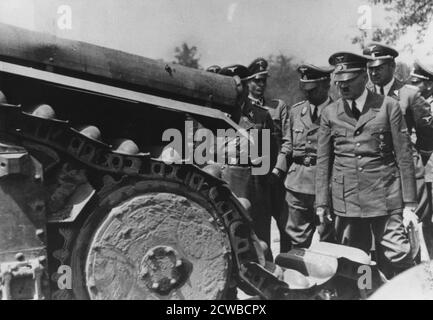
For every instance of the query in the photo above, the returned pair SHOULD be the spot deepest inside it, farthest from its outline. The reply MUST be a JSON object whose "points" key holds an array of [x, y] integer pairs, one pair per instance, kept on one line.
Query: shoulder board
{"points": [[280, 103], [299, 103]]}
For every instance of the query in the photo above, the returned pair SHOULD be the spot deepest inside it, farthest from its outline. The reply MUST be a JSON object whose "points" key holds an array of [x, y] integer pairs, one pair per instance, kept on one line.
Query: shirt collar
{"points": [[386, 87], [320, 107], [256, 101], [360, 101]]}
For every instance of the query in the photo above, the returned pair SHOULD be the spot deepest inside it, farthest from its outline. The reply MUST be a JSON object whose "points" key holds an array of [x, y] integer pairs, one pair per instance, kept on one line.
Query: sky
{"points": [[224, 31]]}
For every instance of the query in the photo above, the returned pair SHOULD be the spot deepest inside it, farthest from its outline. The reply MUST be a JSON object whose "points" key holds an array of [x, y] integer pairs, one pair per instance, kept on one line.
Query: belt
{"points": [[306, 160]]}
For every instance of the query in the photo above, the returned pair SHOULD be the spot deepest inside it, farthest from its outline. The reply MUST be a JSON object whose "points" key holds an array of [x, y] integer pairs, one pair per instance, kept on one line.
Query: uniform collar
{"points": [[258, 102], [360, 101], [387, 87], [321, 106]]}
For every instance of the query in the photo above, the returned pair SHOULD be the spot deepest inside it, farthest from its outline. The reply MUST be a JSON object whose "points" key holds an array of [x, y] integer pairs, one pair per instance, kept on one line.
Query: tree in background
{"points": [[283, 81], [415, 14], [187, 56]]}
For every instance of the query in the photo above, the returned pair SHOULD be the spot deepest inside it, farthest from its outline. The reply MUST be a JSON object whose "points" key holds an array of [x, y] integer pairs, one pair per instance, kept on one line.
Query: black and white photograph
{"points": [[226, 151]]}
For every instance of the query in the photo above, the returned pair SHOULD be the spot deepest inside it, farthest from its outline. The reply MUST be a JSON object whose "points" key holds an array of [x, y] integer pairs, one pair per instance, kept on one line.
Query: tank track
{"points": [[70, 144]]}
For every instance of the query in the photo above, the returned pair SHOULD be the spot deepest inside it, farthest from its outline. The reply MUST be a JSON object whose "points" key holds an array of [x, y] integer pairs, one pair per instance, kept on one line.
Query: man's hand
{"points": [[324, 215], [277, 174], [409, 215]]}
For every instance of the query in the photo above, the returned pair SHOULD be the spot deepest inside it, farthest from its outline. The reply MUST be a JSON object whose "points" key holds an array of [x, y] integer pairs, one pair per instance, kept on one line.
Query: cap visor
{"points": [[260, 76], [414, 79], [308, 85], [344, 76], [377, 62]]}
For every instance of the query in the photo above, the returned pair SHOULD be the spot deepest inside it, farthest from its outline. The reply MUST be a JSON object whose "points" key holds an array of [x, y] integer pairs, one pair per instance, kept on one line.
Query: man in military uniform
{"points": [[257, 83], [415, 109], [422, 77], [243, 183], [364, 153], [298, 155]]}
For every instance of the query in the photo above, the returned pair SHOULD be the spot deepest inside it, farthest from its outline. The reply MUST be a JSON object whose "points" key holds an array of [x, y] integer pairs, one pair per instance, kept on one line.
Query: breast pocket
{"points": [[298, 134], [382, 139], [339, 135]]}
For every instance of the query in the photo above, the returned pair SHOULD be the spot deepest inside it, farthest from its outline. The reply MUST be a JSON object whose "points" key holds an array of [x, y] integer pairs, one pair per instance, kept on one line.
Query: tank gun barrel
{"points": [[109, 66]]}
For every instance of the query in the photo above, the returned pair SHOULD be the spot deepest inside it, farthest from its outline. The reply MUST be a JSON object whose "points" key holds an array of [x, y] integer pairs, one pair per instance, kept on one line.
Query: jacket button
{"points": [[359, 157], [381, 136], [309, 141], [357, 133], [358, 144]]}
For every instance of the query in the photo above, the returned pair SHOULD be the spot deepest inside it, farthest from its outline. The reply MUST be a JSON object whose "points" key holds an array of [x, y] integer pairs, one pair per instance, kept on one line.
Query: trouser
{"points": [[256, 189], [424, 174], [280, 214], [424, 208], [393, 251], [427, 222], [302, 220]]}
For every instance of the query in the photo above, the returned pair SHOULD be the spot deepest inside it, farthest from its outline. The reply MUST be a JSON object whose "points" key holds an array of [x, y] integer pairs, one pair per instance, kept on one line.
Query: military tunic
{"points": [[299, 149], [255, 188], [419, 121], [279, 112], [370, 168]]}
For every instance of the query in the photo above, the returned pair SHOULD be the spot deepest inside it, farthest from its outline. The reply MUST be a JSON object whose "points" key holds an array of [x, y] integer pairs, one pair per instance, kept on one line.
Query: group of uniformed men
{"points": [[358, 169]]}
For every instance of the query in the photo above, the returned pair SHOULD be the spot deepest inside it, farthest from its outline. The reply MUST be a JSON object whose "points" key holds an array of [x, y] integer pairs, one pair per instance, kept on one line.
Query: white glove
{"points": [[409, 216]]}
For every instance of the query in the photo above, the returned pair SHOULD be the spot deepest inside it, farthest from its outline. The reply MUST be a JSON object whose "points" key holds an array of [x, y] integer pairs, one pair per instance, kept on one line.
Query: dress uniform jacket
{"points": [[372, 169], [279, 112], [300, 149], [416, 111], [429, 165], [255, 188], [419, 121]]}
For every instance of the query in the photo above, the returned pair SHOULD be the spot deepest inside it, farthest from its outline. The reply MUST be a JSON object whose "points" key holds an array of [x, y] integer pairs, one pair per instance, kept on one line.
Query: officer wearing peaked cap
{"points": [[414, 107], [257, 81], [298, 155], [422, 77], [278, 109], [239, 176], [364, 161]]}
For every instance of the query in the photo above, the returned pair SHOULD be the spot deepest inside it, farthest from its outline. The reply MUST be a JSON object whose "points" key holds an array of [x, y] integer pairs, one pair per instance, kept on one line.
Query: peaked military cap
{"points": [[258, 69], [347, 65], [235, 70], [421, 72], [214, 69], [380, 54], [312, 75]]}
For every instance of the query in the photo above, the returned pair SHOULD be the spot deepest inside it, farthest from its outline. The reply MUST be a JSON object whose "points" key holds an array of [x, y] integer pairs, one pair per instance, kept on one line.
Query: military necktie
{"points": [[382, 92], [356, 113], [314, 114]]}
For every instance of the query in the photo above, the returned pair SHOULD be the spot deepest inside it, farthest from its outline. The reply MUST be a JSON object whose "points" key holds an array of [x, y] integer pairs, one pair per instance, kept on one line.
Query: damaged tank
{"points": [[93, 205], [89, 209]]}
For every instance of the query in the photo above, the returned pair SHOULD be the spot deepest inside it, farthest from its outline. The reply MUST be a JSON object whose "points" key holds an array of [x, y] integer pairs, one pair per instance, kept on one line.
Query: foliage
{"points": [[283, 81], [187, 56], [415, 14]]}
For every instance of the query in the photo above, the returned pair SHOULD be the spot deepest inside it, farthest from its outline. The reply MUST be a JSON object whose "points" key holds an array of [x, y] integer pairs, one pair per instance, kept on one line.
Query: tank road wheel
{"points": [[151, 239]]}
